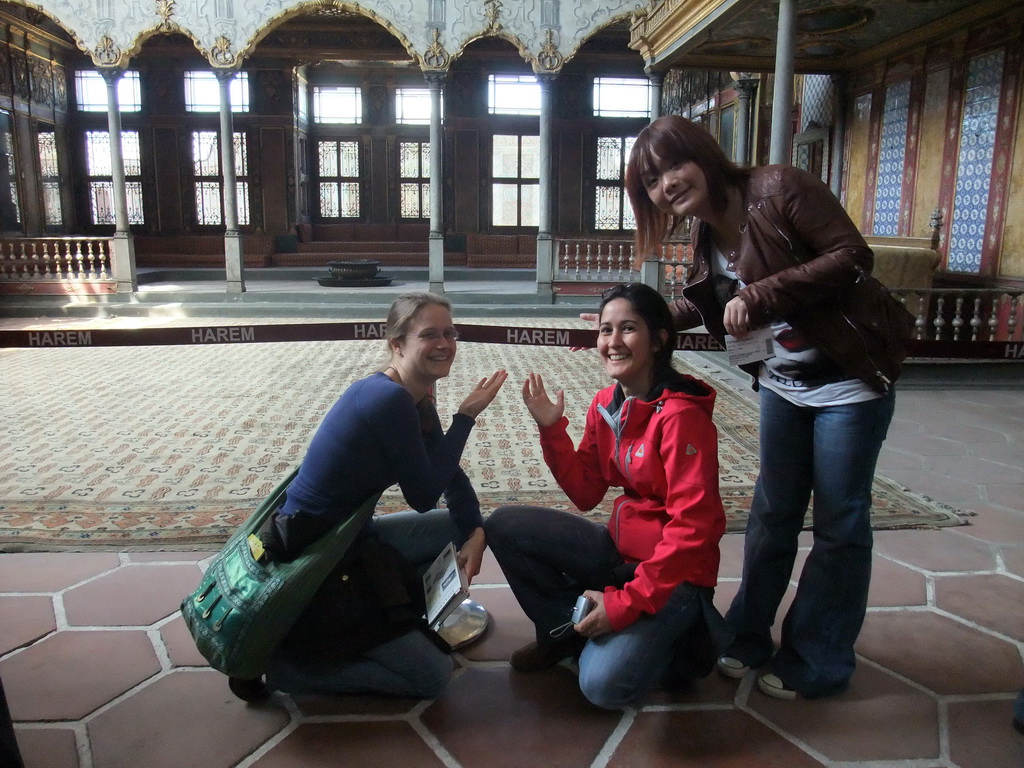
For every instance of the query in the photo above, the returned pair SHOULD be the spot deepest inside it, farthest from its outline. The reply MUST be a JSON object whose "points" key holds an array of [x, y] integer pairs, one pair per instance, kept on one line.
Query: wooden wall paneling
{"points": [[30, 198], [569, 202], [856, 163], [377, 157], [1011, 263], [932, 133], [911, 155], [469, 180], [168, 165], [1009, 101], [273, 188]]}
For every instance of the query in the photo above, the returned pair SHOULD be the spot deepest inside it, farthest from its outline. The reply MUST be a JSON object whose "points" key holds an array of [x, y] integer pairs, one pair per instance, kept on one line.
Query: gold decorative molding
{"points": [[653, 30], [107, 53], [165, 10], [436, 57], [492, 13], [221, 55], [550, 58]]}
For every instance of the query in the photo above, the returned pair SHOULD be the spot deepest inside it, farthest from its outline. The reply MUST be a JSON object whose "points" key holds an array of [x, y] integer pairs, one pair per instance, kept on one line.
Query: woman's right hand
{"points": [[544, 412], [483, 394], [736, 318]]}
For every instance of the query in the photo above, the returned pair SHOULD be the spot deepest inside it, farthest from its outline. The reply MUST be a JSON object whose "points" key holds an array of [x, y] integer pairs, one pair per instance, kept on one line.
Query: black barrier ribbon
{"points": [[350, 331], [484, 334]]}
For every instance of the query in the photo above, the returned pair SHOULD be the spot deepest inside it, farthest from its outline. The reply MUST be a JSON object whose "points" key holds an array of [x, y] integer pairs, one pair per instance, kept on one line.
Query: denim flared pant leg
{"points": [[619, 669], [831, 451], [549, 557]]}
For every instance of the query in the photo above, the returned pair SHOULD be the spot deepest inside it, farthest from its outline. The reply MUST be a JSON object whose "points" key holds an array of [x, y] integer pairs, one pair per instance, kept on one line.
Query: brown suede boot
{"points": [[536, 656]]}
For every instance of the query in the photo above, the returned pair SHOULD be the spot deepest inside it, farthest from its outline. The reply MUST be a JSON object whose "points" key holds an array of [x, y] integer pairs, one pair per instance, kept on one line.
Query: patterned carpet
{"points": [[172, 447]]}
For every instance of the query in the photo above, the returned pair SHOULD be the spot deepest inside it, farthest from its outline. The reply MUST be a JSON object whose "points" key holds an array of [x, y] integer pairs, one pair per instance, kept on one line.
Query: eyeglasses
{"points": [[432, 337]]}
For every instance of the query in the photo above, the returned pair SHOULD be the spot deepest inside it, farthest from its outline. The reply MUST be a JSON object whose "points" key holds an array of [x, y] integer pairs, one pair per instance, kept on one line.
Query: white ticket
{"points": [[757, 346]]}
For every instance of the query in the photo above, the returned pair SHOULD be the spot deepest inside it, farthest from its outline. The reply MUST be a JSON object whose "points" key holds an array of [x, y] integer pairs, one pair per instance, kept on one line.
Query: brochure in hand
{"points": [[444, 586]]}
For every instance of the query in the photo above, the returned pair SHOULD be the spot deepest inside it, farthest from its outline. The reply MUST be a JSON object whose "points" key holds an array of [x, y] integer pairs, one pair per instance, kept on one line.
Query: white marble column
{"points": [[545, 243], [122, 246], [435, 81], [234, 265], [655, 79], [782, 101]]}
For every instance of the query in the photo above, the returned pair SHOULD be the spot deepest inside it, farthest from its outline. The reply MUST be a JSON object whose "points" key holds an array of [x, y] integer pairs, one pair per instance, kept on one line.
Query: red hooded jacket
{"points": [[669, 518]]}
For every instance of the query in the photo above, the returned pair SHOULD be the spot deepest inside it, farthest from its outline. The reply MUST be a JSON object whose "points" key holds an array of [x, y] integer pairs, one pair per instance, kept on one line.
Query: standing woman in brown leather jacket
{"points": [[775, 253]]}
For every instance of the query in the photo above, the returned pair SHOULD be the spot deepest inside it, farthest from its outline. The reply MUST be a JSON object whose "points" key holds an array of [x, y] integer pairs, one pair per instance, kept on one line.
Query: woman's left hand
{"points": [[539, 404], [596, 622], [472, 554]]}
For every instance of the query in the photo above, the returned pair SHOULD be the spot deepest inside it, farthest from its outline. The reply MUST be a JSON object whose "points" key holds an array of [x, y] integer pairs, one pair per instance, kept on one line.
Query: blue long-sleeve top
{"points": [[373, 437]]}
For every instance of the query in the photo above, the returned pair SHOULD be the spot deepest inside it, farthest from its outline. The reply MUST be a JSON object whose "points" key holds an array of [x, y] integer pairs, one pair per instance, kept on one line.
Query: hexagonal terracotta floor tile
{"points": [[50, 747], [893, 584], [508, 627], [980, 735], [182, 719], [713, 689], [726, 738], [990, 600], [181, 647], [24, 619], [330, 706], [939, 550], [327, 745], [877, 718], [542, 715], [70, 674], [131, 596], [52, 571], [947, 662], [1013, 558]]}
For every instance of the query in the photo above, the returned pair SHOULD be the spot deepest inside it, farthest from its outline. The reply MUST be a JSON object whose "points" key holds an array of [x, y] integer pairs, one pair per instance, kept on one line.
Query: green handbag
{"points": [[243, 608]]}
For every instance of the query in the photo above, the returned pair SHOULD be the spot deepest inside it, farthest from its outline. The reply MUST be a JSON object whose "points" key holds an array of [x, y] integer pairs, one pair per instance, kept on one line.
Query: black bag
{"points": [[374, 595]]}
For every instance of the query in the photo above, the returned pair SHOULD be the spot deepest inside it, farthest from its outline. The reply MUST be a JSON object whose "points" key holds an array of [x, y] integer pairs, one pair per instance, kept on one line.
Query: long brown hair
{"points": [[673, 139]]}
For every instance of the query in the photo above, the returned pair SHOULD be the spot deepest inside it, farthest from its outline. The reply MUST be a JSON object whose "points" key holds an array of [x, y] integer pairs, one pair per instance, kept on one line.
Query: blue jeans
{"points": [[832, 452], [410, 665], [549, 557]]}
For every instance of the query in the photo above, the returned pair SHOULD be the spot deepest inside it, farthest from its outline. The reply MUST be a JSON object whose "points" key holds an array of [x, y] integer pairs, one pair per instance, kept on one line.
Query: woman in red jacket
{"points": [[651, 573]]}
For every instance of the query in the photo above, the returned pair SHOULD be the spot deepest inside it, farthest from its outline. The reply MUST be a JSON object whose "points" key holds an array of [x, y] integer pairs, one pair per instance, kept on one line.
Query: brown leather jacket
{"points": [[803, 260]]}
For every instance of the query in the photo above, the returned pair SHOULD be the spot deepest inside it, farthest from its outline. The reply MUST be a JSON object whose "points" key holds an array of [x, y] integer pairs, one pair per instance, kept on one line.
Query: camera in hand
{"points": [[584, 605]]}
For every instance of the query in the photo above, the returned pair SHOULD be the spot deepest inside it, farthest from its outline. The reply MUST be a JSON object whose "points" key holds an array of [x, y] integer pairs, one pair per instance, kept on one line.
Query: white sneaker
{"points": [[772, 685], [731, 667]]}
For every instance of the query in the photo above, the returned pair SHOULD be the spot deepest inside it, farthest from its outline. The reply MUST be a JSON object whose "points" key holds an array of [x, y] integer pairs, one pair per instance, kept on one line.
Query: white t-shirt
{"points": [[799, 371]]}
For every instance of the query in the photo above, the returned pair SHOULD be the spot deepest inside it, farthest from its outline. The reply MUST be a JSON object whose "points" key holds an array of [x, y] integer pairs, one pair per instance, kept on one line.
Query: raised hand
{"points": [[539, 404], [483, 394]]}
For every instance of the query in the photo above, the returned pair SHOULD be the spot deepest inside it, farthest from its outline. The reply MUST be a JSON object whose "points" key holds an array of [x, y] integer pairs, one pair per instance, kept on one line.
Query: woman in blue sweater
{"points": [[363, 632]]}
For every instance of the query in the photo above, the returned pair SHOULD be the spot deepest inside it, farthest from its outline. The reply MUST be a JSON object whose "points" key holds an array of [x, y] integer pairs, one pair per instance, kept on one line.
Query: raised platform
{"points": [[291, 291]]}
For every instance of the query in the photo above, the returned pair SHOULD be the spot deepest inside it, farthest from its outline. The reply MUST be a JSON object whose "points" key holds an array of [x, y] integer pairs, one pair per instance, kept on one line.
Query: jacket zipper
{"points": [[626, 407]]}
